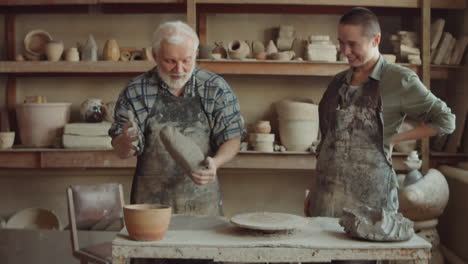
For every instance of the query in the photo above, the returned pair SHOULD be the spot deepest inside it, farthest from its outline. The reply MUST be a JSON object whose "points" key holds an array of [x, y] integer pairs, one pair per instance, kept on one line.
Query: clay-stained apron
{"points": [[158, 179], [351, 168]]}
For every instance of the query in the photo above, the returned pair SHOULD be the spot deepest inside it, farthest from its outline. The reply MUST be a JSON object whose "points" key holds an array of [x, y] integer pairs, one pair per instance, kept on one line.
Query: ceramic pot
{"points": [[72, 54], [295, 109], [147, 222], [298, 135], [219, 49], [271, 48], [263, 127], [111, 51], [205, 51], [283, 55], [426, 198], [54, 50], [238, 49], [91, 110], [6, 139], [52, 116], [35, 42]]}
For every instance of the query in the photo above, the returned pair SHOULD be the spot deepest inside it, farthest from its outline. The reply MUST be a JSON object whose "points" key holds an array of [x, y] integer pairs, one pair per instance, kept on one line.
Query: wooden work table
{"points": [[320, 240]]}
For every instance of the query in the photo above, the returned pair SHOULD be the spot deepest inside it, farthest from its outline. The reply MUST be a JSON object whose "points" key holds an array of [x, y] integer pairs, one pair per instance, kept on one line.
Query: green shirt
{"points": [[403, 94]]}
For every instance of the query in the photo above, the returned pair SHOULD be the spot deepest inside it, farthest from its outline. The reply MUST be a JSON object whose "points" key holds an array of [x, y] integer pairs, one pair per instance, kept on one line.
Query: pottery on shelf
{"points": [[91, 110], [205, 51], [6, 139], [35, 43], [148, 54], [238, 49], [54, 50], [263, 127], [219, 49], [283, 55], [71, 54], [89, 50], [111, 51], [271, 48]]}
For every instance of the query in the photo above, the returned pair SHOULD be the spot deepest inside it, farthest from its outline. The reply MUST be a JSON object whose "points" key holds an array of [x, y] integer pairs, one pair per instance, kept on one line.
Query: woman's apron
{"points": [[352, 169], [158, 178]]}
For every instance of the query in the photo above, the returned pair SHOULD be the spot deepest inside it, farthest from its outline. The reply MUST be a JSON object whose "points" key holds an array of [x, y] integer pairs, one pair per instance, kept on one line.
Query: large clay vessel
{"points": [[89, 50], [426, 198], [238, 49], [111, 51], [41, 125], [298, 124]]}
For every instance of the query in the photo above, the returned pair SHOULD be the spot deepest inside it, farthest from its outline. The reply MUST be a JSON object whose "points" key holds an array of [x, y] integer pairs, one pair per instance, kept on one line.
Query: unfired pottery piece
{"points": [[36, 41], [182, 149], [72, 54], [376, 225], [147, 222], [283, 55], [54, 50], [219, 48], [89, 50], [91, 110], [263, 127], [426, 198], [271, 48], [148, 54], [34, 218], [267, 221], [7, 139], [111, 51], [238, 49]]}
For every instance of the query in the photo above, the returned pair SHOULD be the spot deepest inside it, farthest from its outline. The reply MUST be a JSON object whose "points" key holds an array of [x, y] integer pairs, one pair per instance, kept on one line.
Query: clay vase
{"points": [[89, 50], [147, 222], [72, 54], [271, 48], [426, 198], [54, 50], [263, 127], [238, 49], [219, 49], [205, 51], [6, 139], [111, 51]]}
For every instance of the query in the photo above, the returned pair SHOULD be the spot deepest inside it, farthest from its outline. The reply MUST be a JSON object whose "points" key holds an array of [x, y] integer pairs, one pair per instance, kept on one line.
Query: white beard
{"points": [[175, 84]]}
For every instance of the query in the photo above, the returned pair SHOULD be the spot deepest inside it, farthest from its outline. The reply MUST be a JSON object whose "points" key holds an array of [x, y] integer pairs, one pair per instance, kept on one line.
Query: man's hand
{"points": [[123, 144], [205, 176]]}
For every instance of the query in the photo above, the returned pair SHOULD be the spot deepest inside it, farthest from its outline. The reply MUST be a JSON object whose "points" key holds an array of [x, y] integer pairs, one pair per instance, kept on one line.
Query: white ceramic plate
{"points": [[266, 221]]}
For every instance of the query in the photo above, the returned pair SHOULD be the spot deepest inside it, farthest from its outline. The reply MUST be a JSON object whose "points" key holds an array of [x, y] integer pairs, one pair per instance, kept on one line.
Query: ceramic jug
{"points": [[111, 51]]}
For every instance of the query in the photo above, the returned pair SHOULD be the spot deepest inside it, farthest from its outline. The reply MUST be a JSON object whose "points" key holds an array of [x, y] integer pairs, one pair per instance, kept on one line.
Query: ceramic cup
{"points": [[6, 139]]}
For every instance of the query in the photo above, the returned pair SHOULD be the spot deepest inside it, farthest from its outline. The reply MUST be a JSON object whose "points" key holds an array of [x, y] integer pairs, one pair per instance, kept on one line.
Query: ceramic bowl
{"points": [[34, 218], [6, 139], [36, 41], [147, 222]]}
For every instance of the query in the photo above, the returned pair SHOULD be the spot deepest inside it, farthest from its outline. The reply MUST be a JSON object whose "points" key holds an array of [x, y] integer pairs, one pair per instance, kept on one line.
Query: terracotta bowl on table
{"points": [[147, 222]]}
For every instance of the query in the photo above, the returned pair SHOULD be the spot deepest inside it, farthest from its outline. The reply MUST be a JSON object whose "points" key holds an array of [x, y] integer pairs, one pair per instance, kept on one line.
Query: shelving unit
{"points": [[196, 12]]}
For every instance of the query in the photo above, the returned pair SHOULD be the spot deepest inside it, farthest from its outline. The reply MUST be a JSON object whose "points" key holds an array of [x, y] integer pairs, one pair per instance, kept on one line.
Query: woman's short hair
{"points": [[174, 32], [364, 17]]}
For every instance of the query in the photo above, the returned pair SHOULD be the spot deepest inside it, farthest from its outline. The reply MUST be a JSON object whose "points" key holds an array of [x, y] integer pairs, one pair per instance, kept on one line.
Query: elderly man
{"points": [[200, 104], [360, 114]]}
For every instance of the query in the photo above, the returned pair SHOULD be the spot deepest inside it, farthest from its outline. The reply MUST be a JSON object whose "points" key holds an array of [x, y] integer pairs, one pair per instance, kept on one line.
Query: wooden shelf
{"points": [[74, 159], [453, 4], [247, 67]]}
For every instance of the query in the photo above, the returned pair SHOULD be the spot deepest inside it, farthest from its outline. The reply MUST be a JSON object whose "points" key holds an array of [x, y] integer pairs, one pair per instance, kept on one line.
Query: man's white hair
{"points": [[174, 32]]}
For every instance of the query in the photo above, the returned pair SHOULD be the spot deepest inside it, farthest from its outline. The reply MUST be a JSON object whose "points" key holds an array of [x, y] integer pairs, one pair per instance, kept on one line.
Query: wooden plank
{"points": [[141, 1], [46, 2], [75, 67], [202, 28], [453, 4], [10, 36], [85, 159], [426, 70], [20, 160], [72, 159], [192, 13]]}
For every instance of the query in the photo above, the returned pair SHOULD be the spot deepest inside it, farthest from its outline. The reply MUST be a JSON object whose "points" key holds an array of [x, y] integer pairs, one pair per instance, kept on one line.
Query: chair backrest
{"points": [[94, 207]]}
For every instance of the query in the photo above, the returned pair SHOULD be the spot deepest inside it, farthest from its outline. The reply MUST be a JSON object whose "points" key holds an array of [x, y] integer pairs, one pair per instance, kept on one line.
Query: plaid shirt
{"points": [[218, 101]]}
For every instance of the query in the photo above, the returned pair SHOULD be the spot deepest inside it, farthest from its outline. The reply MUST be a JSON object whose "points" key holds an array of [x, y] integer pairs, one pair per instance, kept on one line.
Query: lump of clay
{"points": [[376, 225], [182, 149], [426, 198]]}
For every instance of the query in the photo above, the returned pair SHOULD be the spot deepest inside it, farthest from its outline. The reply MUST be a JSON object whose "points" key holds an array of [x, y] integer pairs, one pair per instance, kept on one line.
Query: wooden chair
{"points": [[94, 207]]}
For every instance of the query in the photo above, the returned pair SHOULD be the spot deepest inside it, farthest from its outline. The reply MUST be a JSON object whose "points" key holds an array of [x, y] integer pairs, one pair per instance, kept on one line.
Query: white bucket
{"points": [[298, 134], [40, 125]]}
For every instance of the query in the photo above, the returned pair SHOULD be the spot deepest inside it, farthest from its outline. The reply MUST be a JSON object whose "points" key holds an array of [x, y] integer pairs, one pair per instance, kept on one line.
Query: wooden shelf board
{"points": [[47, 2], [28, 158], [453, 4], [244, 67]]}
